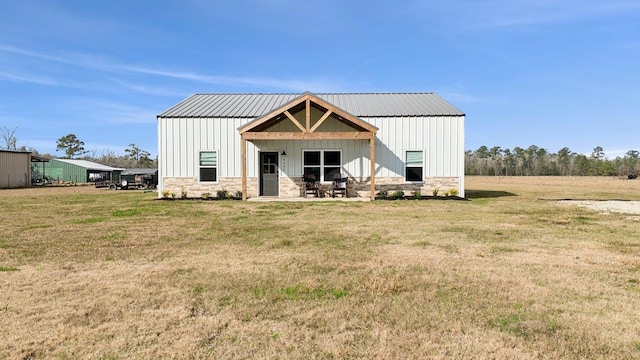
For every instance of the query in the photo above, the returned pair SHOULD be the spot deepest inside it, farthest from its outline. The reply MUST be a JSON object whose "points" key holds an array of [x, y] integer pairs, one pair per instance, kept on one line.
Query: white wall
{"points": [[441, 138]]}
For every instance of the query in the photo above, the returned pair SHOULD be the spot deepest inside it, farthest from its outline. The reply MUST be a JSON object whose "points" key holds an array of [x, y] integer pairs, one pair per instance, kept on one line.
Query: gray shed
{"points": [[15, 169]]}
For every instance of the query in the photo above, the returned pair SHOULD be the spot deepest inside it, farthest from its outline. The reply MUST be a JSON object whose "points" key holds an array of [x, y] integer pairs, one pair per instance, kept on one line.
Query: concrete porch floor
{"points": [[307, 199]]}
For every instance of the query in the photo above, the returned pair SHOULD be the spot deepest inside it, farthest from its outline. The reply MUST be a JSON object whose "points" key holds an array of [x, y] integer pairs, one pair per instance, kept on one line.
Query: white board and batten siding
{"points": [[180, 141], [440, 137]]}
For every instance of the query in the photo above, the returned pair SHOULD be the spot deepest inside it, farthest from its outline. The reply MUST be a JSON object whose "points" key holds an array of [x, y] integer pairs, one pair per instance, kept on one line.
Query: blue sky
{"points": [[545, 73]]}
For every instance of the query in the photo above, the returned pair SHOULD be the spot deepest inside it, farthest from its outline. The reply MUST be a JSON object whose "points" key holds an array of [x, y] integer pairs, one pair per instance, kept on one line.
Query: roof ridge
{"points": [[316, 93]]}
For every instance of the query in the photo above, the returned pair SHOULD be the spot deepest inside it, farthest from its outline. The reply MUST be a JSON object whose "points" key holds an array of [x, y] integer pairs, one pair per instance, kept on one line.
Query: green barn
{"points": [[76, 171]]}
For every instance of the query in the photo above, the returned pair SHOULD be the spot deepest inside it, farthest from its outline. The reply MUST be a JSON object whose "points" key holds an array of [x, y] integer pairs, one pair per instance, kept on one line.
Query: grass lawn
{"points": [[509, 274]]}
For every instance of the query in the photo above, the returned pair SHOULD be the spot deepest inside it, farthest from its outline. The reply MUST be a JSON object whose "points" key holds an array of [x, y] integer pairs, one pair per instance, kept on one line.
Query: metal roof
{"points": [[88, 165], [139, 171], [358, 104], [15, 151]]}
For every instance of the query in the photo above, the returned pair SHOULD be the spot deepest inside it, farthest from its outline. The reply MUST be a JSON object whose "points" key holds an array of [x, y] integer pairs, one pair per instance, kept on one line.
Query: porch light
{"points": [[283, 153]]}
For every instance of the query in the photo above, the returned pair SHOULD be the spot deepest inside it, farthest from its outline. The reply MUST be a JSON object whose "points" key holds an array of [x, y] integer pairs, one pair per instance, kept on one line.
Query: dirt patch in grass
{"points": [[606, 206]]}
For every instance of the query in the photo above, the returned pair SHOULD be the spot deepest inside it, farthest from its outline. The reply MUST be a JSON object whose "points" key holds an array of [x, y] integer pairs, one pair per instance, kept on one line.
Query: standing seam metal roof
{"points": [[358, 104], [89, 165]]}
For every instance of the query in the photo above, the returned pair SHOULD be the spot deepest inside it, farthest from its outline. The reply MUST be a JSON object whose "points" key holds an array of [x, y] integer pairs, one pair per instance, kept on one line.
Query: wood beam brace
{"points": [[308, 114], [322, 119], [295, 122]]}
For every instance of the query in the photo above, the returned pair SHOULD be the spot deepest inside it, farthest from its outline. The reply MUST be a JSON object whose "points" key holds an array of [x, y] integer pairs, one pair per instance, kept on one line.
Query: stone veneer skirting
{"points": [[292, 187], [195, 189]]}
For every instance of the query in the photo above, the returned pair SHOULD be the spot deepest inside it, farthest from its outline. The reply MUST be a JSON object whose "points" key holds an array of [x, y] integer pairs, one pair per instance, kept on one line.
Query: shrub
{"points": [[238, 194], [435, 191], [173, 195], [206, 195], [383, 193], [446, 193], [223, 194], [417, 194], [165, 193], [453, 192], [183, 194], [399, 194]]}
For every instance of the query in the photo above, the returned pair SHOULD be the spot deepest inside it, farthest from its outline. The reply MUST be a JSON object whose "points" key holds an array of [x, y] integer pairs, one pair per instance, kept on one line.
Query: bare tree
{"points": [[9, 138]]}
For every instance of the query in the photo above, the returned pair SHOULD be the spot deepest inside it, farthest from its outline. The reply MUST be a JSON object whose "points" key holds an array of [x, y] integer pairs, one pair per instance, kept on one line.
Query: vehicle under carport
{"points": [[133, 179]]}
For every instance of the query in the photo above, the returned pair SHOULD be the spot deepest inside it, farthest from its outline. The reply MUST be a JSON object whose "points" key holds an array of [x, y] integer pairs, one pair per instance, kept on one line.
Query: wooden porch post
{"points": [[372, 156], [243, 152]]}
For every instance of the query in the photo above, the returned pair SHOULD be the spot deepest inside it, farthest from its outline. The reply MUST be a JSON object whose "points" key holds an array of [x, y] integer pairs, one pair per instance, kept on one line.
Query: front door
{"points": [[268, 174]]}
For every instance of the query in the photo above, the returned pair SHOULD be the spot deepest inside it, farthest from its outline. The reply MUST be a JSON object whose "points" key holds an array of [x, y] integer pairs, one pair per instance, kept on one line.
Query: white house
{"points": [[262, 144]]}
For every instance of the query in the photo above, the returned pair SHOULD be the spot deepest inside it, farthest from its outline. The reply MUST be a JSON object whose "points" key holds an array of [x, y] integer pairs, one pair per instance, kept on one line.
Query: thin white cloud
{"points": [[103, 64], [148, 90], [108, 112], [495, 14], [29, 79], [285, 84]]}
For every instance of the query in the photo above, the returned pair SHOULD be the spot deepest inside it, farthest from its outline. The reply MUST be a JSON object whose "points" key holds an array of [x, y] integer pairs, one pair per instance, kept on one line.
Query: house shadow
{"points": [[385, 158], [486, 194]]}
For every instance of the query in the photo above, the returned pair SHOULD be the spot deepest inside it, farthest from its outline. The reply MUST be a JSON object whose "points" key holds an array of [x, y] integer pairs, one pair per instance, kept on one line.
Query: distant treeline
{"points": [[537, 161]]}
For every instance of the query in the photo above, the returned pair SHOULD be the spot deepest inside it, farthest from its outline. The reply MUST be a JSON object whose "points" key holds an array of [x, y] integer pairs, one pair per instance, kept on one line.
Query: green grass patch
{"points": [[318, 293], [125, 212], [93, 220]]}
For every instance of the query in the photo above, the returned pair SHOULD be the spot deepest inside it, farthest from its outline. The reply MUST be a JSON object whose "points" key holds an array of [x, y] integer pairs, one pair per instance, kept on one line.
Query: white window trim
{"points": [[404, 162], [217, 167], [322, 180]]}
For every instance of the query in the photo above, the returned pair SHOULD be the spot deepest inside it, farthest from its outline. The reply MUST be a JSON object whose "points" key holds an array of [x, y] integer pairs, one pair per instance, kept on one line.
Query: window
{"points": [[325, 165], [331, 165], [414, 163], [208, 166]]}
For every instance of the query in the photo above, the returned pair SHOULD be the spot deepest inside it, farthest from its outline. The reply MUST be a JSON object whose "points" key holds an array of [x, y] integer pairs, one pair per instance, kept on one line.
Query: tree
{"points": [[597, 156], [141, 157], [564, 160], [538, 161], [632, 159], [598, 153], [520, 159], [510, 162], [482, 152], [9, 138], [71, 145], [581, 165]]}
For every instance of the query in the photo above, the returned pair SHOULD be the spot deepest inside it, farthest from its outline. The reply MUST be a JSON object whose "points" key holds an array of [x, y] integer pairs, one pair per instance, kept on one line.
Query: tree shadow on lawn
{"points": [[486, 194]]}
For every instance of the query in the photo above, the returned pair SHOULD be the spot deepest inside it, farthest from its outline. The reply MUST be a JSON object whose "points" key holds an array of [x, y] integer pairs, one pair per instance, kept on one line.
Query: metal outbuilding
{"points": [[15, 169], [79, 171]]}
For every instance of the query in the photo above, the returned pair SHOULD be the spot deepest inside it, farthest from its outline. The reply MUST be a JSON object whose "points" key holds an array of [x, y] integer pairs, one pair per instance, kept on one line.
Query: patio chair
{"points": [[310, 185], [340, 185]]}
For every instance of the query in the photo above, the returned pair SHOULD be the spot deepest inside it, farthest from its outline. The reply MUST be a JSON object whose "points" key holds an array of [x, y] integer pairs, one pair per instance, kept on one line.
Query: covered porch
{"points": [[307, 199], [304, 119]]}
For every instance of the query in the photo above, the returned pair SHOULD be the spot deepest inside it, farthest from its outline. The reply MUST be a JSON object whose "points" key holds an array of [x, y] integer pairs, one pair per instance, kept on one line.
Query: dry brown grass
{"points": [[89, 273]]}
